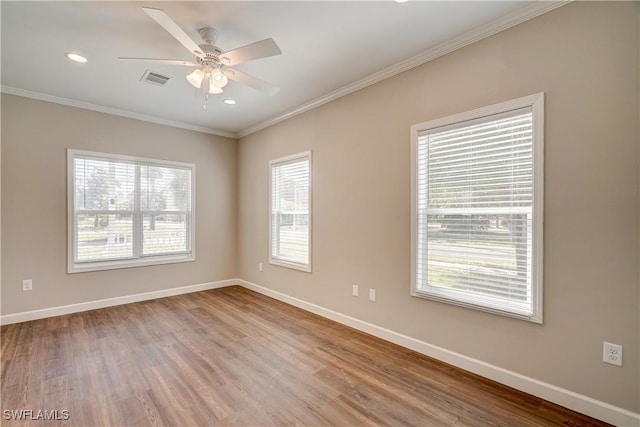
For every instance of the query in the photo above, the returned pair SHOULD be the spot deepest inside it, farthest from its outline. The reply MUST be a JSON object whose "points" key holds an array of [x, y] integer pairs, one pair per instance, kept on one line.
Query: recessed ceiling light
{"points": [[400, 1], [229, 101], [75, 57]]}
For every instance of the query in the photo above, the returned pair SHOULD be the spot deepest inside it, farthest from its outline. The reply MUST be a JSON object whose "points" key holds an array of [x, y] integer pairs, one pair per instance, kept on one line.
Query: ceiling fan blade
{"points": [[251, 81], [162, 61], [250, 52], [168, 24]]}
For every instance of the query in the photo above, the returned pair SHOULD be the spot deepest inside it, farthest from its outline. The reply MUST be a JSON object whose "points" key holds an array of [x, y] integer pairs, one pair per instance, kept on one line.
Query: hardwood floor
{"points": [[234, 357]]}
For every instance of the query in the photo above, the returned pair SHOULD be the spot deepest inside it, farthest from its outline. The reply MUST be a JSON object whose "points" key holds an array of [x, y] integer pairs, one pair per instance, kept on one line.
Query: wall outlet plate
{"points": [[612, 353], [354, 290], [27, 285], [372, 295]]}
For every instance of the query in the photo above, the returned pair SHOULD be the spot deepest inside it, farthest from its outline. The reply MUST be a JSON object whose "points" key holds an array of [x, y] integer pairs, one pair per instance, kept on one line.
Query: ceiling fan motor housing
{"points": [[211, 52], [209, 35]]}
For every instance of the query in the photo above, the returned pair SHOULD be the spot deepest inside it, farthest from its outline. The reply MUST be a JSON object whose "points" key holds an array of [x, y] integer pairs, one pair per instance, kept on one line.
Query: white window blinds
{"points": [[128, 210], [291, 212], [476, 222]]}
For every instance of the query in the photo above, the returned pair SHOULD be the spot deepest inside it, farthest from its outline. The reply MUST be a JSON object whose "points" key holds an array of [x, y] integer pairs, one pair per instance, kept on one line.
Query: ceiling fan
{"points": [[213, 73]]}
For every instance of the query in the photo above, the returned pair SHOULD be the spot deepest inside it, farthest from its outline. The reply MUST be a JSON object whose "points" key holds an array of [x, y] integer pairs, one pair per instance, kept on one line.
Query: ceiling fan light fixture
{"points": [[195, 78], [218, 78], [215, 89]]}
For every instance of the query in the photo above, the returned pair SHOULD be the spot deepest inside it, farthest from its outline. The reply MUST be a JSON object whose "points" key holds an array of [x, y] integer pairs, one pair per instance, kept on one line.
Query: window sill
{"points": [[291, 265], [534, 318], [128, 263]]}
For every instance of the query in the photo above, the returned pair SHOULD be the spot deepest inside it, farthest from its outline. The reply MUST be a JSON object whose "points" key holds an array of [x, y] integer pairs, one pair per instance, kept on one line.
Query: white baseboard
{"points": [[25, 316], [567, 398]]}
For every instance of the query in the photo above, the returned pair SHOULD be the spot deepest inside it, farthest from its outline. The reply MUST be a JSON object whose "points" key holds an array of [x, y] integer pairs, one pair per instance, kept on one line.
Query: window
{"points": [[127, 211], [290, 221], [477, 208]]}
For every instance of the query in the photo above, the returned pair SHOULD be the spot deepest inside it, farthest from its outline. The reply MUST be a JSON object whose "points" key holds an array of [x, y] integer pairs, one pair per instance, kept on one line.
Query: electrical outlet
{"points": [[27, 285], [259, 266], [372, 295], [612, 353], [354, 290]]}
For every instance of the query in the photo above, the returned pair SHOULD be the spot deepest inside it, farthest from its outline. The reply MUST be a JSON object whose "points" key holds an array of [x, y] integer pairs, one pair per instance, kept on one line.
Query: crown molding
{"points": [[535, 9], [506, 22], [113, 111]]}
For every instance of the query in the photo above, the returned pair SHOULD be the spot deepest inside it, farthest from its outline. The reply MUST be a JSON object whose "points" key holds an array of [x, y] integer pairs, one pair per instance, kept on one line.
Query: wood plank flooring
{"points": [[234, 357]]}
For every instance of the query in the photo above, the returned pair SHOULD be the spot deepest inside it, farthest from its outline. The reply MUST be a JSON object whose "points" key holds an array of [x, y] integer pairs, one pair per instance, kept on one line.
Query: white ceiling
{"points": [[329, 49]]}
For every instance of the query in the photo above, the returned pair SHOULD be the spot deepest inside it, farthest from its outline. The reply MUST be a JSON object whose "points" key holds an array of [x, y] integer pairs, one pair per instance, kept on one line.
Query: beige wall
{"points": [[35, 136], [584, 56]]}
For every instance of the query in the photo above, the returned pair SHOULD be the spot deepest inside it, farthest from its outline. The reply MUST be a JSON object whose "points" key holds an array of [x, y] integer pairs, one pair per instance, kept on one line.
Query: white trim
{"points": [[535, 103], [305, 155], [504, 23], [537, 108], [118, 264], [567, 398], [26, 316], [136, 259], [113, 111]]}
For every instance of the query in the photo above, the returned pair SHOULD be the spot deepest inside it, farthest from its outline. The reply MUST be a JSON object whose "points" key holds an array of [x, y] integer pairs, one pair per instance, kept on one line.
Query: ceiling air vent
{"points": [[155, 78]]}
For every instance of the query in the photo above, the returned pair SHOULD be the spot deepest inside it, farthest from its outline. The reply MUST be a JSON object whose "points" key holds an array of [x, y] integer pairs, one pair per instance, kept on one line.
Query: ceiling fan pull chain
{"points": [[206, 85]]}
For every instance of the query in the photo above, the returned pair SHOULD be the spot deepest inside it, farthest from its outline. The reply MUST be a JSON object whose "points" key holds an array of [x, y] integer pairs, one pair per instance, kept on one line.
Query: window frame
{"points": [[274, 260], [141, 260], [536, 103]]}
